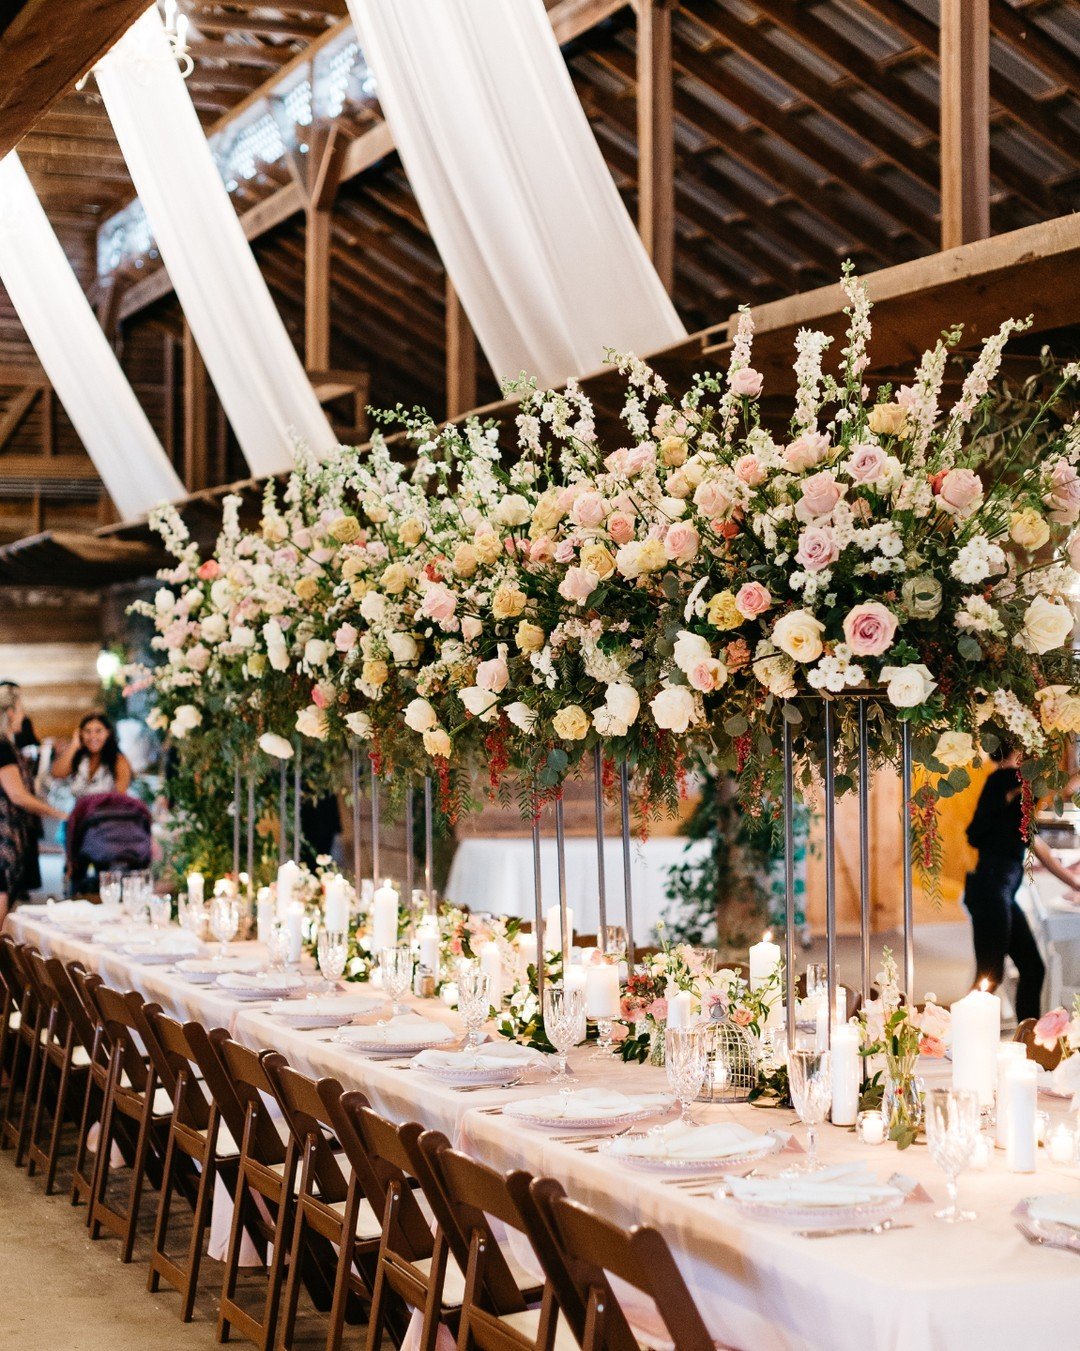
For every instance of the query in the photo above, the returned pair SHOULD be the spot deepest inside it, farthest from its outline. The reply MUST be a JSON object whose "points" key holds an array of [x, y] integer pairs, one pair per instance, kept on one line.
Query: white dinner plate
{"points": [[810, 1216], [622, 1150], [383, 1039], [526, 1113]]}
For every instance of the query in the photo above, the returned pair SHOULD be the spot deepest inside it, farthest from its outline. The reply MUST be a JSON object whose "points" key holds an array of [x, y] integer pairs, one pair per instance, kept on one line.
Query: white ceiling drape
{"points": [[522, 208], [75, 353], [257, 374]]}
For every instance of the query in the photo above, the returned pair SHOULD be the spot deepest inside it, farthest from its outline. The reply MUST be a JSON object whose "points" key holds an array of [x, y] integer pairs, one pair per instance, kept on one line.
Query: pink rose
{"points": [[1063, 494], [707, 675], [745, 383], [345, 638], [818, 548], [621, 527], [869, 629], [588, 511], [933, 1047], [208, 570], [578, 585], [565, 500], [1051, 1028], [565, 551], [302, 538], [541, 550], [439, 603], [711, 500], [807, 450], [681, 542], [742, 1017], [820, 494], [658, 1010], [1074, 552], [959, 492], [752, 599], [319, 697], [641, 457], [748, 468], [866, 464], [615, 463], [492, 675]]}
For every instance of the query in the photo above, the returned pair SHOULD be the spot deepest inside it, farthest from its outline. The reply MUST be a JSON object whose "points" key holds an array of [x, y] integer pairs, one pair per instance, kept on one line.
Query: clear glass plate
{"points": [[520, 1112], [481, 1074], [619, 1149], [809, 1217]]}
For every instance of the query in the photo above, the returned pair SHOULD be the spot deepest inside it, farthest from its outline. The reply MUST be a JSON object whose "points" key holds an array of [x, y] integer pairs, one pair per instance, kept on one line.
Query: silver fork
{"points": [[882, 1227]]}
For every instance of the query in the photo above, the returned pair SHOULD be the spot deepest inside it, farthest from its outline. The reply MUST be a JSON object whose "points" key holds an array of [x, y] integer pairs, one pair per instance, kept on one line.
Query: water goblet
{"points": [[564, 1010], [396, 965], [278, 944], [952, 1127], [224, 920], [810, 1079], [474, 999], [160, 910], [615, 943], [110, 887], [686, 1059], [332, 948]]}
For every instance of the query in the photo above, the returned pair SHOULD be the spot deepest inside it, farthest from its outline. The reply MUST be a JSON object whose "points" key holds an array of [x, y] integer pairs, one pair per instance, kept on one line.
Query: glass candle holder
{"points": [[870, 1128], [1061, 1144]]}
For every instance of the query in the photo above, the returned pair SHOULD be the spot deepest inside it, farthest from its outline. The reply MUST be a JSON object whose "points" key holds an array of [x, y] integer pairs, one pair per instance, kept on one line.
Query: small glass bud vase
{"points": [[656, 1043], [902, 1104]]}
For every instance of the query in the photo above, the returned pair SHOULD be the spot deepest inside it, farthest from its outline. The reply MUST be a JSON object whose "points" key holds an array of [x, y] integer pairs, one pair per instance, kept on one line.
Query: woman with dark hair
{"points": [[999, 926], [18, 807], [92, 760]]}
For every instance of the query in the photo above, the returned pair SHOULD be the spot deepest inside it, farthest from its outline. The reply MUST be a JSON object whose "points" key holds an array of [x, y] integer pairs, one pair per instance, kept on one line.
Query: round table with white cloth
{"points": [[497, 875]]}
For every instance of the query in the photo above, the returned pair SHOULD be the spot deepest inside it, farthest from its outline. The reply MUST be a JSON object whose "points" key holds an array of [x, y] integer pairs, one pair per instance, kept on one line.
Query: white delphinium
{"points": [[978, 380], [810, 345], [859, 328]]}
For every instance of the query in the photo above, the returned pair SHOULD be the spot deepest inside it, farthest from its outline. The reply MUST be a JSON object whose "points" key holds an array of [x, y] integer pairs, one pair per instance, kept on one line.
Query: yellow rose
{"points": [[437, 743], [694, 471], [255, 665], [352, 567], [888, 419], [346, 530], [488, 546], [1028, 529], [466, 560], [530, 637], [1059, 708], [651, 556], [307, 588], [546, 514], [374, 672], [571, 723], [359, 589], [673, 451], [722, 612], [411, 532], [598, 560], [508, 601], [395, 579]]}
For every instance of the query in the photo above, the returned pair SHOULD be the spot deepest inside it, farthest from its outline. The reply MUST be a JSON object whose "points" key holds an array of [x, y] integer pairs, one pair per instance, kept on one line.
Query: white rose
{"points": [[608, 723], [522, 716], [164, 601], [312, 722], [481, 704], [419, 715], [186, 718], [798, 634], [775, 671], [316, 651], [214, 629], [373, 606], [403, 648], [242, 637], [1047, 625], [908, 686], [955, 748], [276, 648], [512, 511], [359, 724], [277, 747], [623, 701], [921, 596], [471, 628], [690, 648], [673, 708]]}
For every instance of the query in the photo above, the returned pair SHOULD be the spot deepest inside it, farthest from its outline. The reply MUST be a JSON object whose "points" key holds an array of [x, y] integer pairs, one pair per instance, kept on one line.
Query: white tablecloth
{"points": [[760, 1288], [497, 875]]}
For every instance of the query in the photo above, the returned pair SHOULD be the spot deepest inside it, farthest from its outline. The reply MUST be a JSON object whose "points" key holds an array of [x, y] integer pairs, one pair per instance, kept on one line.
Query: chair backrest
{"points": [[391, 1170], [69, 997], [304, 1110], [203, 1046], [1048, 1058], [177, 1069], [11, 976], [244, 1070], [123, 1020], [594, 1249], [534, 1200], [45, 992], [19, 979]]}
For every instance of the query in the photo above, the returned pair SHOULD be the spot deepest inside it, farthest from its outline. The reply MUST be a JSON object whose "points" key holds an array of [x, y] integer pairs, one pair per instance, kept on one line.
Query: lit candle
{"points": [[602, 991], [976, 1038], [294, 927], [196, 888], [680, 1009], [845, 1075], [871, 1128], [1021, 1091], [384, 918], [336, 907], [264, 915], [841, 1004], [428, 939], [491, 962], [764, 959], [553, 937], [574, 979], [1062, 1144], [1008, 1054], [288, 879]]}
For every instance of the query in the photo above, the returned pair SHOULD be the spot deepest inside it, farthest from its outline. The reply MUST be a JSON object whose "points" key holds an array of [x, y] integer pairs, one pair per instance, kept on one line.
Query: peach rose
{"points": [[707, 675], [1063, 494], [620, 527], [439, 603], [752, 599], [820, 494], [959, 492], [807, 450], [578, 585], [869, 629], [711, 500], [208, 570], [492, 675], [748, 469], [681, 542], [588, 510]]}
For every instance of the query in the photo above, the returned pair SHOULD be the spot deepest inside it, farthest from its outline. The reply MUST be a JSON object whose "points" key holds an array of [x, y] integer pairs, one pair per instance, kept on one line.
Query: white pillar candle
{"points": [[288, 878], [336, 907], [764, 959], [384, 918], [1021, 1093], [841, 1004], [976, 1038], [196, 888], [294, 927], [845, 1075], [574, 979], [553, 937], [264, 915], [680, 1009], [491, 962], [428, 938], [602, 991], [872, 1128], [526, 946], [1008, 1054]]}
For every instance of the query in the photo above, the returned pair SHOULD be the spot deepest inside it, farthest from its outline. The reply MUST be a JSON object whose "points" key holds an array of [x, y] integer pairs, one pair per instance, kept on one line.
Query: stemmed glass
{"points": [[810, 1080], [474, 999], [564, 1012], [951, 1118], [396, 965], [110, 887], [160, 910], [278, 945], [686, 1059], [332, 948], [224, 920], [134, 893]]}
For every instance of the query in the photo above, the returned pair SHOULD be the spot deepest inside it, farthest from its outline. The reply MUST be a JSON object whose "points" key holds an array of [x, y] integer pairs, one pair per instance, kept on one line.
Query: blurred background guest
{"points": [[20, 809], [92, 762]]}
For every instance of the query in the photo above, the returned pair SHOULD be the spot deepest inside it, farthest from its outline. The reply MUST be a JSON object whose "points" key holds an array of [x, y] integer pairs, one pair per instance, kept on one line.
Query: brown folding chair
{"points": [[64, 1057], [132, 1093], [495, 1315], [199, 1150], [25, 1051], [11, 991], [84, 984], [587, 1250], [332, 1210], [1046, 1058]]}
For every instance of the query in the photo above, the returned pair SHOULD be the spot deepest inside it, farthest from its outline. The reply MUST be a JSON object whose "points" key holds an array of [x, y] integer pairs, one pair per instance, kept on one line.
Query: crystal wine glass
{"points": [[564, 1009], [278, 944], [952, 1127], [160, 910], [396, 965], [224, 920], [110, 886], [474, 999], [685, 1058], [810, 1078], [333, 950]]}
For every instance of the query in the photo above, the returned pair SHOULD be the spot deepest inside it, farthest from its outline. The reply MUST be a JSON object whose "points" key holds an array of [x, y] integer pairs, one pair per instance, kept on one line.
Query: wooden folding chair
{"points": [[495, 1315], [11, 992], [25, 1051], [332, 1211], [587, 1250], [84, 984], [64, 1052]]}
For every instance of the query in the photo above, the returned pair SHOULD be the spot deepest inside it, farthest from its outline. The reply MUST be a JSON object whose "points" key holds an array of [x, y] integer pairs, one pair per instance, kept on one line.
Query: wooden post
{"points": [[48, 422], [965, 121], [168, 396], [460, 356], [317, 290], [195, 430], [656, 136]]}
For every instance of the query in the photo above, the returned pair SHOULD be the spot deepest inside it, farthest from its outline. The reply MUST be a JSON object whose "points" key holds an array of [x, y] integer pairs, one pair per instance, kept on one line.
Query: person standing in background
{"points": [[19, 807], [92, 761]]}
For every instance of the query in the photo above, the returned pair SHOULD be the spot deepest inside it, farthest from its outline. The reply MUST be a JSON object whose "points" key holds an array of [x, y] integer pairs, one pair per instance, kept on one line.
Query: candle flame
{"points": [[766, 937], [984, 984]]}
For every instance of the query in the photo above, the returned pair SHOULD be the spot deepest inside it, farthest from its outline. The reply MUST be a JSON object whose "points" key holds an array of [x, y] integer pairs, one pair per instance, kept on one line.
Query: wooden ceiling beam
{"points": [[656, 137], [16, 373], [965, 122], [17, 407], [78, 468], [206, 22], [1039, 48]]}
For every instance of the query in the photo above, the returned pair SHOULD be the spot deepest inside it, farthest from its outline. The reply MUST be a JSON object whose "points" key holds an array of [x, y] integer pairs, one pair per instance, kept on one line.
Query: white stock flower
{"points": [[908, 686], [277, 747], [419, 715], [164, 601]]}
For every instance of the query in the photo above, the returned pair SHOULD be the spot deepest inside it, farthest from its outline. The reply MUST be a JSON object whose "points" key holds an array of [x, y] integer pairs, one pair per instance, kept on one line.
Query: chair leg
{"points": [[53, 1157], [161, 1224], [291, 1299], [100, 1181], [346, 1248], [35, 1119], [204, 1202], [276, 1272], [7, 1123], [35, 1071], [141, 1151], [80, 1182], [241, 1202]]}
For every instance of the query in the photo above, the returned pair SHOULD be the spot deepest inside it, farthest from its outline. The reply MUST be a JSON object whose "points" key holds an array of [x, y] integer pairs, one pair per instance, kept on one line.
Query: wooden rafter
{"points": [[656, 136], [460, 356], [17, 408]]}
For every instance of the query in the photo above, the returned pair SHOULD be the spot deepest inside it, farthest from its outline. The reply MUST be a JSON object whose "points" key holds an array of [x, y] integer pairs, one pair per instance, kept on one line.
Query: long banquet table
{"points": [[760, 1287]]}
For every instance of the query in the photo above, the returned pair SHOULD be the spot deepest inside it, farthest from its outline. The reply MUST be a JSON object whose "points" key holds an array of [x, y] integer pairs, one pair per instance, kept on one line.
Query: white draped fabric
{"points": [[512, 184], [75, 353], [258, 377]]}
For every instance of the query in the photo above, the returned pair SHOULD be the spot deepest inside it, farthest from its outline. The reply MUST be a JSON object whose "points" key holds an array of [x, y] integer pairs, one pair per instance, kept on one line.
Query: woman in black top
{"points": [[18, 806], [1000, 927]]}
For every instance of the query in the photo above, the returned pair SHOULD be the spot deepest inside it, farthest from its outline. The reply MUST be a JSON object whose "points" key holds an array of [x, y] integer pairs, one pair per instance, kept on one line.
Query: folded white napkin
{"points": [[60, 911], [1056, 1208], [261, 980], [492, 1055], [404, 1030], [183, 944], [588, 1104], [216, 966], [1062, 1081], [346, 1006], [119, 935], [676, 1141], [844, 1185]]}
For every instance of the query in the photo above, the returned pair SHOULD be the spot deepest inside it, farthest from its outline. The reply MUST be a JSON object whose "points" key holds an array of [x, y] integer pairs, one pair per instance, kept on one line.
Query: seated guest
{"points": [[92, 762], [18, 807]]}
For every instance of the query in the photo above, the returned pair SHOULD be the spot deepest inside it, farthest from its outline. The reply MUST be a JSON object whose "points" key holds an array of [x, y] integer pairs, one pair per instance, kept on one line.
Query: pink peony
{"points": [[439, 603], [867, 463], [1051, 1028], [621, 527], [959, 492], [209, 570], [820, 494], [345, 638], [748, 468], [869, 629], [711, 500], [1063, 494], [588, 511], [818, 548], [745, 383], [681, 542], [807, 450], [752, 599], [492, 675], [578, 585]]}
